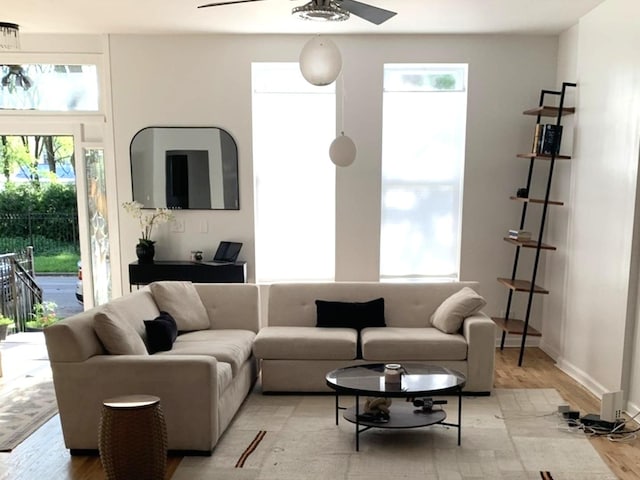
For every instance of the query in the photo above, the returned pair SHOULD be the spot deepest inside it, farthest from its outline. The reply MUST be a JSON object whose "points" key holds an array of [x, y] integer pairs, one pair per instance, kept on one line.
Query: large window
{"points": [[423, 142], [293, 125]]}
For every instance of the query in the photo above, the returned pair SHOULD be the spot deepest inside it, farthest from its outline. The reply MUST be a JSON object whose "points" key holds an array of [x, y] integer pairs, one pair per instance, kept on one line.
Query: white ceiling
{"points": [[274, 16]]}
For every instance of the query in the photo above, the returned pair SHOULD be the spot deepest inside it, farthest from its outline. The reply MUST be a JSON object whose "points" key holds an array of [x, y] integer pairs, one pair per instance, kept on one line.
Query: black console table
{"points": [[196, 272]]}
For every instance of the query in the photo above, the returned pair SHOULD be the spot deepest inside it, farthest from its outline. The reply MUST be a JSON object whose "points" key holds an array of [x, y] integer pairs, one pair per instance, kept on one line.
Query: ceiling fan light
{"points": [[342, 151], [322, 11], [9, 36], [320, 61]]}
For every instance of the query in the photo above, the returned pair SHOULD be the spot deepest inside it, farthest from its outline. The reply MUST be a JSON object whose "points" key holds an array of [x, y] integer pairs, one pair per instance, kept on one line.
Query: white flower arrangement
{"points": [[147, 221]]}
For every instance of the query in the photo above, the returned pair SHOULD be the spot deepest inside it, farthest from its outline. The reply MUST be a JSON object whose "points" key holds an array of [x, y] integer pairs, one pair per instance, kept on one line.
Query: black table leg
{"points": [[459, 415], [357, 423], [337, 408]]}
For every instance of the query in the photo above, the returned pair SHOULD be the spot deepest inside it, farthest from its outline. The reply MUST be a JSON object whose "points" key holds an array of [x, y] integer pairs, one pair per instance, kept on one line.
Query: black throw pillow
{"points": [[161, 333], [356, 315]]}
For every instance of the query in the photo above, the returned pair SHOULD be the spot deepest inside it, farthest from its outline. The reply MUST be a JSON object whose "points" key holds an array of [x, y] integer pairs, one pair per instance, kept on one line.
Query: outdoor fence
{"points": [[20, 292], [45, 232]]}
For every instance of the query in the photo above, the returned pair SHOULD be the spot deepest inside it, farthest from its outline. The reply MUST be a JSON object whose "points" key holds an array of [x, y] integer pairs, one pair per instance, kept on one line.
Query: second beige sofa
{"points": [[295, 354]]}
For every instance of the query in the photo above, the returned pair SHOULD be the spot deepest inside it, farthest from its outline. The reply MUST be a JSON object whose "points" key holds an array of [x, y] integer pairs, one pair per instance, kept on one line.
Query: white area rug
{"points": [[513, 434], [27, 398]]}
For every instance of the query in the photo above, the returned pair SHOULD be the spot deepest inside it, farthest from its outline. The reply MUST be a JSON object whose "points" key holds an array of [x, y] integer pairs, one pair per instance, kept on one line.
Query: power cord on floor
{"points": [[574, 424]]}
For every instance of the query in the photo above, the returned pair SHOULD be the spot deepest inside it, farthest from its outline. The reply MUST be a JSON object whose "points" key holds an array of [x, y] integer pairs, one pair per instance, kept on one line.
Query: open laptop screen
{"points": [[227, 252]]}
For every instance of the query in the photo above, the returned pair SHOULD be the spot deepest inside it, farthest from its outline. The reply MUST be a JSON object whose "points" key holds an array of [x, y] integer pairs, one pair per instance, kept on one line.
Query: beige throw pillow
{"points": [[182, 302], [449, 316], [118, 334]]}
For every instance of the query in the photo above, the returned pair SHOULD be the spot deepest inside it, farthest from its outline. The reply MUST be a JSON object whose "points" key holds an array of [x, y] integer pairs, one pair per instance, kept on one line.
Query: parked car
{"points": [[79, 295]]}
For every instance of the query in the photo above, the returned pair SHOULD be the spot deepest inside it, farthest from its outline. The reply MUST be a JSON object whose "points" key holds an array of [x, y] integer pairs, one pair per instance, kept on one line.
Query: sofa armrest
{"points": [[186, 384], [480, 333]]}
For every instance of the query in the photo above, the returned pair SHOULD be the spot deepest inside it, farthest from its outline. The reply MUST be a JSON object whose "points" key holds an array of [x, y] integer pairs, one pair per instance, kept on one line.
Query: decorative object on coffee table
{"points": [[145, 249], [393, 373], [133, 438]]}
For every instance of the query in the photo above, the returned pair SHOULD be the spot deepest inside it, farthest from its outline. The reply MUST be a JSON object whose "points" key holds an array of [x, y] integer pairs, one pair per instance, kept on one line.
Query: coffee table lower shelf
{"points": [[404, 415]]}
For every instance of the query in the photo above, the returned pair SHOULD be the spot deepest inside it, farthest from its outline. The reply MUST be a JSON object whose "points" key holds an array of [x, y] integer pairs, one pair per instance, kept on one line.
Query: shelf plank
{"points": [[547, 111], [521, 285], [543, 157], [514, 326], [536, 200], [529, 243]]}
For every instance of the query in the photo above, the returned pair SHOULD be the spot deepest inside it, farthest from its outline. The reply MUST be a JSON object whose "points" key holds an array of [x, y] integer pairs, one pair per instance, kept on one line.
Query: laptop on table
{"points": [[227, 253]]}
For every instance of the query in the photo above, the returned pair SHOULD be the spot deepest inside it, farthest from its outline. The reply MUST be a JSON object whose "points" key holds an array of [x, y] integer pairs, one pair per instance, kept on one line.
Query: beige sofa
{"points": [[295, 354], [201, 381]]}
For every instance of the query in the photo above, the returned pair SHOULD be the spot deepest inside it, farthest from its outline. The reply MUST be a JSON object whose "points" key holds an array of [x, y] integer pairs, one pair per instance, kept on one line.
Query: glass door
{"points": [[98, 224]]}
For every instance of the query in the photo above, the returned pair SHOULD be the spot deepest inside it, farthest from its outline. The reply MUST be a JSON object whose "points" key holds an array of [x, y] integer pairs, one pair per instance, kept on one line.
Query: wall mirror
{"points": [[185, 168]]}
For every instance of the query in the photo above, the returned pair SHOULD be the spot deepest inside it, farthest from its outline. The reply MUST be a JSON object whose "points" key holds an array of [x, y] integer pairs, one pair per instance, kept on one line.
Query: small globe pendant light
{"points": [[342, 151], [320, 61]]}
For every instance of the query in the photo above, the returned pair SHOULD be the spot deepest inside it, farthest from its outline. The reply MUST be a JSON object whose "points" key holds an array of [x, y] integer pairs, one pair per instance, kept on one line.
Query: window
{"points": [[423, 142], [48, 87], [294, 123]]}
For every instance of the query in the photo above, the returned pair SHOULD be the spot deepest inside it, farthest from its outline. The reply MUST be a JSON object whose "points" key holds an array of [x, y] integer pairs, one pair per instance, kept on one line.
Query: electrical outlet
{"points": [[177, 225], [611, 406]]}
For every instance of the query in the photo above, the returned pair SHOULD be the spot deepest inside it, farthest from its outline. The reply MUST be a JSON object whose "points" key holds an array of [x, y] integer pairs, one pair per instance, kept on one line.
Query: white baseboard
{"points": [[581, 377], [513, 341], [633, 409], [549, 350], [585, 380]]}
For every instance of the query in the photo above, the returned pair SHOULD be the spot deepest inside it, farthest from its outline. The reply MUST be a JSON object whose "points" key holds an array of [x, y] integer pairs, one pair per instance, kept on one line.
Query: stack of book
{"points": [[520, 235], [546, 139]]}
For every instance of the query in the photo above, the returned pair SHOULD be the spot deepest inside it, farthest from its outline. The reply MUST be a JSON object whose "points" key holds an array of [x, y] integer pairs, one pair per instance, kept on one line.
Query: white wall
{"points": [[558, 220], [205, 80], [596, 340]]}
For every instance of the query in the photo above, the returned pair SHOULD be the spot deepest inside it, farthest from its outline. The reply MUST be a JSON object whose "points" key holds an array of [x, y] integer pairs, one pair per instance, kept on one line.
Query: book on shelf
{"points": [[537, 136], [519, 234], [550, 137]]}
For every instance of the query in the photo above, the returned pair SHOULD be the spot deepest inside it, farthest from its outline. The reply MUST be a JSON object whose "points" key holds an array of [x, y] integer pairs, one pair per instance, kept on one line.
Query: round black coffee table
{"points": [[420, 380]]}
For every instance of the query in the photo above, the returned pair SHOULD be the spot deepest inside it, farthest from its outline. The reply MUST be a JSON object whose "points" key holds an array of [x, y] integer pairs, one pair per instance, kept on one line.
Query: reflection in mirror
{"points": [[185, 168]]}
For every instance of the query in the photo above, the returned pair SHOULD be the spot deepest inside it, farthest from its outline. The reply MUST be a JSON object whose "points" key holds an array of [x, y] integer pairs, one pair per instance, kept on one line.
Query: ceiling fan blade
{"points": [[367, 12], [227, 3]]}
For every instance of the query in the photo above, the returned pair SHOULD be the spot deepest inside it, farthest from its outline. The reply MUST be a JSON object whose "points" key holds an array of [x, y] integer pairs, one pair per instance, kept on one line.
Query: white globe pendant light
{"points": [[342, 151], [320, 61]]}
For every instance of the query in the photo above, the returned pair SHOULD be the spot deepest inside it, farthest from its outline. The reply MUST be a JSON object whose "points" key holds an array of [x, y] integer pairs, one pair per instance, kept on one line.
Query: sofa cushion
{"points": [[449, 316], [117, 333], [398, 343], [305, 343], [230, 346], [161, 332], [224, 376], [182, 301]]}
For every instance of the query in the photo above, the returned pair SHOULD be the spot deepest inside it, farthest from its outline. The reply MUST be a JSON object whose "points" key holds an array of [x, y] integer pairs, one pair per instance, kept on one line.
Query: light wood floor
{"points": [[43, 456]]}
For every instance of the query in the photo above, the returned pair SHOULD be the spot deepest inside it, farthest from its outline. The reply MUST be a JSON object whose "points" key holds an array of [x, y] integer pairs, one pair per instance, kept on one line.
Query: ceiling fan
{"points": [[329, 10]]}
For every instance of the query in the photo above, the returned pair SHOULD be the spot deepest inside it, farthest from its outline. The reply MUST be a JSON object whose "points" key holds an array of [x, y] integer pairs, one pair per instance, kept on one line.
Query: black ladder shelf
{"points": [[507, 324]]}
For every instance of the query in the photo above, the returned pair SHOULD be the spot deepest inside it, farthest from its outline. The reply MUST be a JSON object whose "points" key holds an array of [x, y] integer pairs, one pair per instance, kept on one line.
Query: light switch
{"points": [[204, 226]]}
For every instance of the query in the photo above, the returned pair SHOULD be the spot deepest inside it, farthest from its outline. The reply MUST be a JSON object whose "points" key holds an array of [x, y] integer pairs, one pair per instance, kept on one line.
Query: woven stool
{"points": [[133, 438]]}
